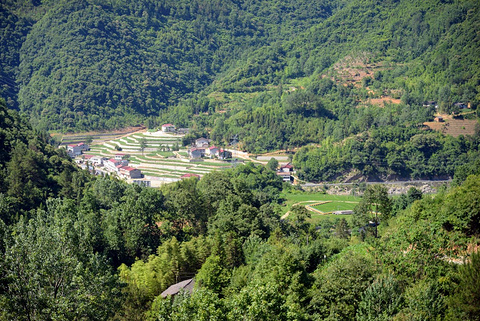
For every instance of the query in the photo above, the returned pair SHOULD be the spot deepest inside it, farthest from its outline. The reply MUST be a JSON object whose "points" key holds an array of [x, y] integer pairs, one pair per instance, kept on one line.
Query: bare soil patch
{"points": [[383, 100], [454, 127]]}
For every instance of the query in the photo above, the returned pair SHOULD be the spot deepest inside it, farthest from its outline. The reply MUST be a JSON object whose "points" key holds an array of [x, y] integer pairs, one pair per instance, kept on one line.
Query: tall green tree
{"points": [[374, 204], [143, 144], [49, 277]]}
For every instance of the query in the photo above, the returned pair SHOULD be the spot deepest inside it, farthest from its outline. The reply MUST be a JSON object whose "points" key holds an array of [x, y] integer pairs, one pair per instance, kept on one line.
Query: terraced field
{"points": [[159, 166], [454, 127]]}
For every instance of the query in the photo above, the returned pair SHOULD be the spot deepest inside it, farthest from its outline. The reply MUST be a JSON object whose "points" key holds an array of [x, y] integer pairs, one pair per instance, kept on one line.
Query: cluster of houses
{"points": [[117, 165], [462, 105], [459, 105], [201, 148]]}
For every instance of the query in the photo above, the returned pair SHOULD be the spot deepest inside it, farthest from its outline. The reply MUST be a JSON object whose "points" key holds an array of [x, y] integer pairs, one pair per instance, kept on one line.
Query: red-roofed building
{"points": [[77, 149], [285, 172], [83, 146], [129, 172], [74, 150], [287, 168], [224, 154], [211, 151], [168, 128], [112, 164], [196, 153]]}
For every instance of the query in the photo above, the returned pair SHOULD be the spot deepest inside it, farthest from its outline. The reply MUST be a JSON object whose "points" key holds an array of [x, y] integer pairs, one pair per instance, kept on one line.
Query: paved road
{"points": [[372, 183]]}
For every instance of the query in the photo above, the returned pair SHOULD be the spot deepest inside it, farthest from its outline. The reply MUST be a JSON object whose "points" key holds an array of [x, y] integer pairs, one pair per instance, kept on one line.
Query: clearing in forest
{"points": [[320, 205], [454, 127]]}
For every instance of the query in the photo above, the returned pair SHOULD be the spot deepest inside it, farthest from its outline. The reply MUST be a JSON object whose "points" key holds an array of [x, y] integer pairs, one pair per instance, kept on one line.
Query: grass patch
{"points": [[335, 206], [216, 164], [336, 202], [165, 154]]}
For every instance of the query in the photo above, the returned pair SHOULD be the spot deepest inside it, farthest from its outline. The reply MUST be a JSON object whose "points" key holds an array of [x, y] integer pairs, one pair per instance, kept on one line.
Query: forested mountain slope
{"points": [[94, 64], [272, 74], [86, 62]]}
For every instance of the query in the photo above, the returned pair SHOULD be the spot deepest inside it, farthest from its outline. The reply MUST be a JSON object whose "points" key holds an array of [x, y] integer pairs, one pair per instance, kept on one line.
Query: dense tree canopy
{"points": [[266, 74]]}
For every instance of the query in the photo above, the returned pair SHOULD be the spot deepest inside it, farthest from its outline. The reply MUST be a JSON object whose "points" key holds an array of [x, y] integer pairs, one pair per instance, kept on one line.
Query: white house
{"points": [[112, 164], [168, 128], [129, 172], [74, 150], [286, 177], [96, 160], [211, 151], [287, 168], [202, 142], [285, 172]]}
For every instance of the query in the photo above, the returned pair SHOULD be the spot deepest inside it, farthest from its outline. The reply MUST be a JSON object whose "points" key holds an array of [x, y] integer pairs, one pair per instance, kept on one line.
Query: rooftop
{"points": [[186, 285]]}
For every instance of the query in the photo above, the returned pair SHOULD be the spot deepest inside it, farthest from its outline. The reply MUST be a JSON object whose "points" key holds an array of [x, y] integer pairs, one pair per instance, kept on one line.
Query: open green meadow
{"points": [[333, 203], [336, 206]]}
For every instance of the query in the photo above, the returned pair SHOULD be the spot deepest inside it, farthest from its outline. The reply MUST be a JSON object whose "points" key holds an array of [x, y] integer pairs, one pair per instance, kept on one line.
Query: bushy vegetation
{"points": [[268, 75], [388, 153], [95, 248]]}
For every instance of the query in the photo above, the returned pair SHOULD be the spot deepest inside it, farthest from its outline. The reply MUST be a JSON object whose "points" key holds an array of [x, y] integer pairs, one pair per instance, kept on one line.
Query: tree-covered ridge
{"points": [[436, 37], [406, 273], [92, 64], [31, 170], [388, 153], [300, 91], [83, 62]]}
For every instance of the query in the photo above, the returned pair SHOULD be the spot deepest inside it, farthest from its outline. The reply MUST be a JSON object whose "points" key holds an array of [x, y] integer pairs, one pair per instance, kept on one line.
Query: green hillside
{"points": [[92, 64], [271, 74], [84, 62]]}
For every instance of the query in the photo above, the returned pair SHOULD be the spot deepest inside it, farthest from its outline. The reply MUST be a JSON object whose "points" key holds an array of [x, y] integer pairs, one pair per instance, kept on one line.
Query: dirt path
{"points": [[284, 216]]}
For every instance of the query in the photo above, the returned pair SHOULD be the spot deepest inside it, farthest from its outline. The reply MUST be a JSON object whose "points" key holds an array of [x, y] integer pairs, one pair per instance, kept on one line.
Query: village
{"points": [[155, 157]]}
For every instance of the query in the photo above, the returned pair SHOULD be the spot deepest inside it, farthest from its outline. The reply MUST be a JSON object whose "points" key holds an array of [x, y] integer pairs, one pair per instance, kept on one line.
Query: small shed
{"points": [[173, 290]]}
